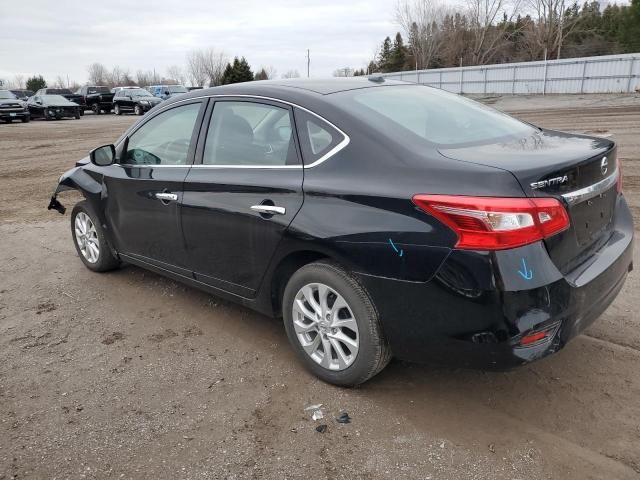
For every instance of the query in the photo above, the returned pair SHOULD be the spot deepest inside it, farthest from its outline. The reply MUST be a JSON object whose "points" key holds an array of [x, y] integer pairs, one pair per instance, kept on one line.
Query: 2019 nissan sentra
{"points": [[378, 218], [52, 107]]}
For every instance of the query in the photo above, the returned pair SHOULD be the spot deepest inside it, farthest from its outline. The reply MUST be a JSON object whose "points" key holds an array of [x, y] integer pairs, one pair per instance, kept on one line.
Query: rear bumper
{"points": [[475, 311]]}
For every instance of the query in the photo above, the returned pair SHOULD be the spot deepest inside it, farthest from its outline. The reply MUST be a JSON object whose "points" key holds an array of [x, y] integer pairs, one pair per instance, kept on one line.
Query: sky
{"points": [[63, 37]]}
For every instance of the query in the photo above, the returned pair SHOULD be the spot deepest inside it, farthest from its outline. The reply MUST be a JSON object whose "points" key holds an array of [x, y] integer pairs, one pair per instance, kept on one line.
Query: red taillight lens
{"points": [[619, 183], [496, 223]]}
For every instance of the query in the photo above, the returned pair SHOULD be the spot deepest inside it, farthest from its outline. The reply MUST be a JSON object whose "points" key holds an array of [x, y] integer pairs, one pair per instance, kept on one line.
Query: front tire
{"points": [[89, 239], [138, 110], [95, 108], [333, 325], [116, 109], [26, 119]]}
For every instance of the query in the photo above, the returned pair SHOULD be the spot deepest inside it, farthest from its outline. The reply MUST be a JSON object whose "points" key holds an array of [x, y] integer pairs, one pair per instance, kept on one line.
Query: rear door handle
{"points": [[166, 197], [269, 209]]}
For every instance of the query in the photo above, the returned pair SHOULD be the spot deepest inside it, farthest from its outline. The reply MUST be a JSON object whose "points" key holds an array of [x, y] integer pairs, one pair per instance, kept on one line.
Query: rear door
{"points": [[245, 191], [144, 189]]}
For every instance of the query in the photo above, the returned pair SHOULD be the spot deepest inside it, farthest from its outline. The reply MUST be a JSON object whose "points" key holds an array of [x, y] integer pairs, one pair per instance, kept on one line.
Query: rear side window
{"points": [[318, 139], [250, 134]]}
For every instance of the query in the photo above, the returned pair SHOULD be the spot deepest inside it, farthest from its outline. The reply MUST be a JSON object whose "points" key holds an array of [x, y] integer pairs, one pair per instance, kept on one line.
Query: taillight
{"points": [[496, 223], [619, 182]]}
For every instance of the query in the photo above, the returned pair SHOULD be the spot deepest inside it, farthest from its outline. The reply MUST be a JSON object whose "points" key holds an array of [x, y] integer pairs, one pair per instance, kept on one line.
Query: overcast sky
{"points": [[63, 37]]}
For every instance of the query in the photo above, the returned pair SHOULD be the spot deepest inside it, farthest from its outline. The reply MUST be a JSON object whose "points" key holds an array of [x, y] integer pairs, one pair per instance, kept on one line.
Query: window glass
{"points": [[436, 116], [317, 137], [165, 139], [247, 133]]}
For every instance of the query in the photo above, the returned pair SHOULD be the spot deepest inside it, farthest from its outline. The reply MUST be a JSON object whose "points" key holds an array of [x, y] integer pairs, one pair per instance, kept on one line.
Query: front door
{"points": [[144, 189], [242, 194]]}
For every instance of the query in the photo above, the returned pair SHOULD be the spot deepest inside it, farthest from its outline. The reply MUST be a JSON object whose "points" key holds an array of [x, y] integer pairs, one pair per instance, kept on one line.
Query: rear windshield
{"points": [[177, 89], [435, 115], [98, 90], [58, 91]]}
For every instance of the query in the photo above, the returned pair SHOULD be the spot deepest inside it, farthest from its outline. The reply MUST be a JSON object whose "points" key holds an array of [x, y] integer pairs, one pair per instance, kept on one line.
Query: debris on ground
{"points": [[344, 418], [317, 411], [321, 428]]}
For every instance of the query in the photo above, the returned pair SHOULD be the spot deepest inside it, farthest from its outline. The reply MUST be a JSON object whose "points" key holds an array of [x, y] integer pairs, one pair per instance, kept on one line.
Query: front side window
{"points": [[165, 139], [250, 134]]}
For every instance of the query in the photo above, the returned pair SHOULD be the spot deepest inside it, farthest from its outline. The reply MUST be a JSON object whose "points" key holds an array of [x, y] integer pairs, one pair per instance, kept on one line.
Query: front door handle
{"points": [[166, 197], [269, 209]]}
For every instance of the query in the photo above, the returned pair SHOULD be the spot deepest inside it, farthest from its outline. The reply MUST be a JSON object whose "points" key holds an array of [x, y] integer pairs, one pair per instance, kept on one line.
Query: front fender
{"points": [[75, 179]]}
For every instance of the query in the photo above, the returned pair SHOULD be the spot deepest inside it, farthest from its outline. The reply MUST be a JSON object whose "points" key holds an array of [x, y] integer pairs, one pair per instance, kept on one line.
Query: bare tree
{"points": [[206, 66], [421, 20], [175, 73], [97, 74], [271, 72], [343, 72], [489, 35], [18, 81], [553, 23], [291, 74], [144, 79], [60, 82]]}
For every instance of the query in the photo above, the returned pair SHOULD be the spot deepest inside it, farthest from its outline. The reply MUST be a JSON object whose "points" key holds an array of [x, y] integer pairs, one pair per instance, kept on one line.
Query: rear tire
{"points": [[77, 115], [95, 108], [89, 239], [346, 347]]}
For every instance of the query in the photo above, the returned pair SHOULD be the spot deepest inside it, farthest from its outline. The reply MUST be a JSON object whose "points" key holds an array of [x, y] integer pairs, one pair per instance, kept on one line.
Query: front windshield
{"points": [[435, 115], [177, 89], [7, 95]]}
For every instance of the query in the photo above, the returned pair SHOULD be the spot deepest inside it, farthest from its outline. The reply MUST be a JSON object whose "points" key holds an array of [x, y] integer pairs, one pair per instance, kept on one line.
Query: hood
{"points": [[11, 102], [59, 103]]}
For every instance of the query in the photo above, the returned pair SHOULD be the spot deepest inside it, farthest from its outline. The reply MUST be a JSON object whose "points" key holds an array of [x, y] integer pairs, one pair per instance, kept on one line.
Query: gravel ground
{"points": [[130, 375]]}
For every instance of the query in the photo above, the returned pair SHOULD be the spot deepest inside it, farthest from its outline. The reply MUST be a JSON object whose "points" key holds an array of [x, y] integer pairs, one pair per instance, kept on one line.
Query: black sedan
{"points": [[378, 218], [134, 100], [52, 107]]}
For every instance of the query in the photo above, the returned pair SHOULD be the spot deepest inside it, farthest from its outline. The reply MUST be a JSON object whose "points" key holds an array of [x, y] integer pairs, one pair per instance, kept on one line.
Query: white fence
{"points": [[606, 74]]}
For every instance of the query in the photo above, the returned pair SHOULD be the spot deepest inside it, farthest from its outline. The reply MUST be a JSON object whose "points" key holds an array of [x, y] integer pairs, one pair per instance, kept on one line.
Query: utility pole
{"points": [[308, 62]]}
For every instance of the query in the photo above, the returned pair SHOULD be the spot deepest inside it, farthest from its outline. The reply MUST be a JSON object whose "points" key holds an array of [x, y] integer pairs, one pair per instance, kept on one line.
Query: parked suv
{"points": [[136, 100], [11, 108], [96, 98]]}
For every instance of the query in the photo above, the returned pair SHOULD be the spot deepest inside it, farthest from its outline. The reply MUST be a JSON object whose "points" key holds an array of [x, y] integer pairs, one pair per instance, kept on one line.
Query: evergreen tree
{"points": [[239, 71], [261, 75], [35, 83], [398, 54], [385, 61], [227, 75]]}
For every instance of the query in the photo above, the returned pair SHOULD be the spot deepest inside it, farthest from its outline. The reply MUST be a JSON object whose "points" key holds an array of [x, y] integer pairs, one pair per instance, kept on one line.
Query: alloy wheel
{"points": [[87, 237], [325, 326]]}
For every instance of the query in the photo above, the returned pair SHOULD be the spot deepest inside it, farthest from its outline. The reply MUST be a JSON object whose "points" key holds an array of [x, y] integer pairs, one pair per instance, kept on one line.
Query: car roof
{"points": [[292, 90]]}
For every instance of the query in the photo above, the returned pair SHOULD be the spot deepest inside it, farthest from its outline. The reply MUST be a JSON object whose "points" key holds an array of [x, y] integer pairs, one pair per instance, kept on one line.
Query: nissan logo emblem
{"points": [[604, 165]]}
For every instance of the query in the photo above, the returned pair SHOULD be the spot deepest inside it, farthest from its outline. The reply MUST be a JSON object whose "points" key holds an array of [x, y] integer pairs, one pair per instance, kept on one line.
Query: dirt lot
{"points": [[129, 375]]}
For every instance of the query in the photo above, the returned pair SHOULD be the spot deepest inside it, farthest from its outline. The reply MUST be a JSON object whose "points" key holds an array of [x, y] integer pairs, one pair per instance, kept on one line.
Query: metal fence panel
{"points": [[606, 74]]}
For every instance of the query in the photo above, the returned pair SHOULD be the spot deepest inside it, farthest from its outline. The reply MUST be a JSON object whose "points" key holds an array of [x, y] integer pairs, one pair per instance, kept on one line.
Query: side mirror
{"points": [[103, 156], [167, 92]]}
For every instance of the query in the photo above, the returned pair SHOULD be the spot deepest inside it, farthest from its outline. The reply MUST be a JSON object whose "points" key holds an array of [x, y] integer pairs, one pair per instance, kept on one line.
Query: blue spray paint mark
{"points": [[393, 245], [525, 272]]}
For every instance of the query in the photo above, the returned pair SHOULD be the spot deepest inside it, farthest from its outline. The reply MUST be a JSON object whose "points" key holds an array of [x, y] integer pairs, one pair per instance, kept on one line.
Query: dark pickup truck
{"points": [[96, 98], [65, 92]]}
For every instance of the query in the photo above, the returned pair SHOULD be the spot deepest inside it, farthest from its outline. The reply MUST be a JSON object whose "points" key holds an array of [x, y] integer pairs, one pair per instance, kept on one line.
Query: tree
{"points": [[421, 20], [554, 21], [238, 72], [206, 66], [261, 75], [398, 54], [384, 58], [487, 33], [97, 74], [344, 72], [291, 74], [35, 83], [175, 72]]}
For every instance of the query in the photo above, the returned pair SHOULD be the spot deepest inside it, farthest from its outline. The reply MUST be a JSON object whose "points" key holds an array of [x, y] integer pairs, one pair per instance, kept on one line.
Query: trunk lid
{"points": [[581, 171]]}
